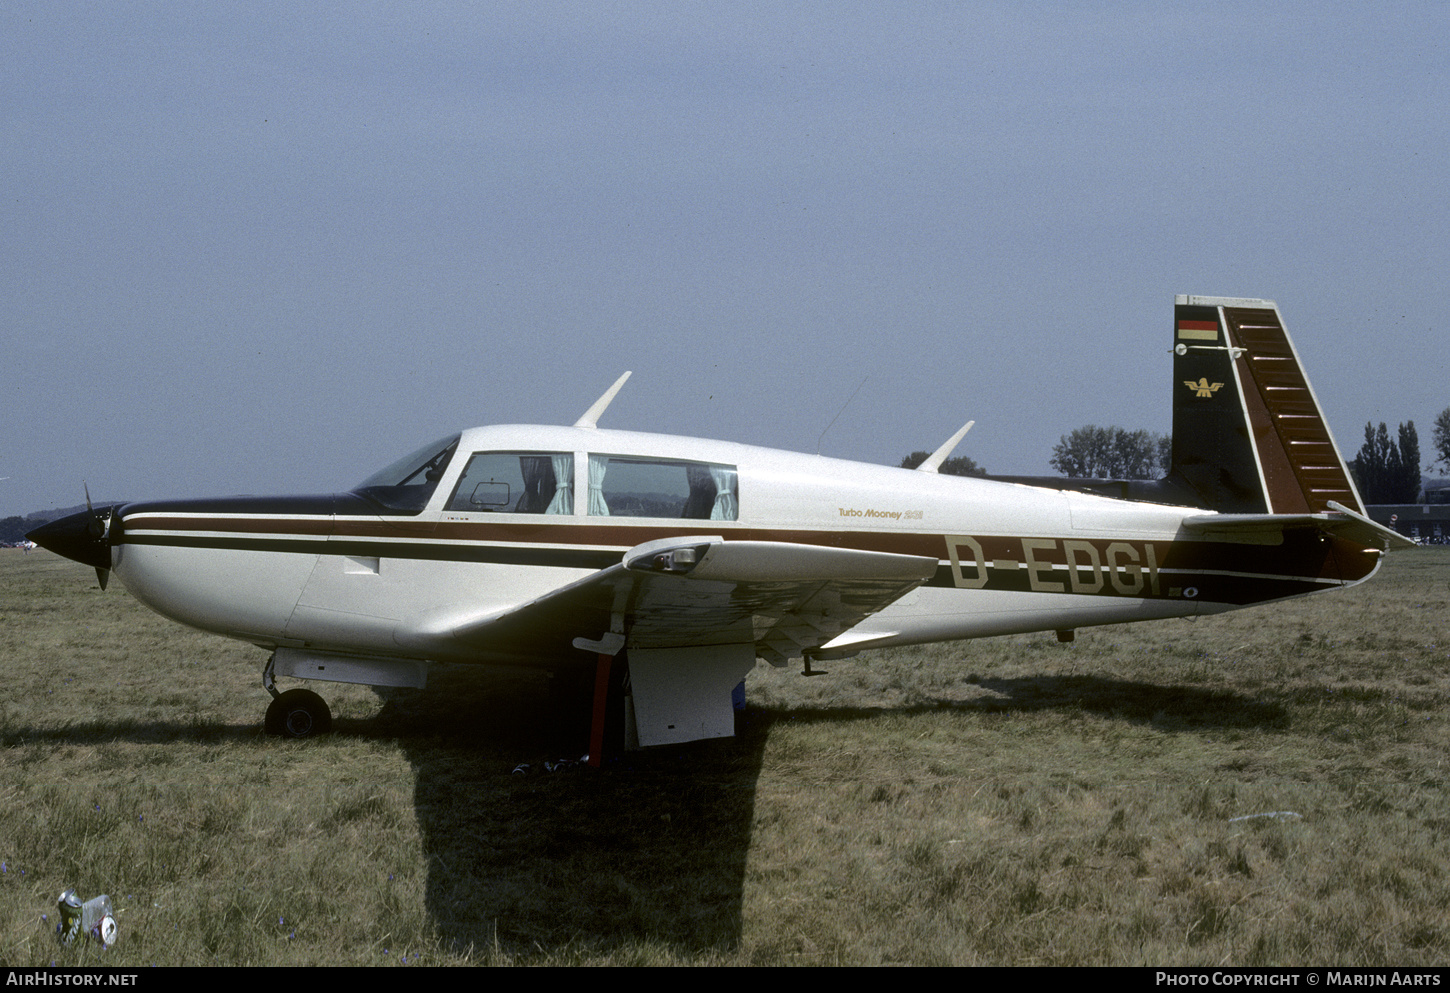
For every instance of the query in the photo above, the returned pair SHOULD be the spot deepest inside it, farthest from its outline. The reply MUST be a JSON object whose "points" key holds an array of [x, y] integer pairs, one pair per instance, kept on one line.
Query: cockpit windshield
{"points": [[405, 486]]}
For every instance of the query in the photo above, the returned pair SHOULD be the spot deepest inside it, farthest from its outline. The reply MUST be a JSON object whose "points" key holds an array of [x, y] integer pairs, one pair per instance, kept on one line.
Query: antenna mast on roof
{"points": [[591, 416]]}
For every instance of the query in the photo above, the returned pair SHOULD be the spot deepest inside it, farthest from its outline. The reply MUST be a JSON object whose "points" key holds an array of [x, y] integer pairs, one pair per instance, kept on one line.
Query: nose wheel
{"points": [[295, 714], [298, 714]]}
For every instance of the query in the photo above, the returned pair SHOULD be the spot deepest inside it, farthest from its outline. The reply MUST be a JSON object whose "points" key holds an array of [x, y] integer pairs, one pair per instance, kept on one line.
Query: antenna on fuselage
{"points": [[591, 416], [934, 461]]}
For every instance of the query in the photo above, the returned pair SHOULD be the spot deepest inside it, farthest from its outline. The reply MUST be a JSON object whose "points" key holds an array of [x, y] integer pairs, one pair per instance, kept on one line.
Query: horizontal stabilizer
{"points": [[1268, 529], [1360, 528]]}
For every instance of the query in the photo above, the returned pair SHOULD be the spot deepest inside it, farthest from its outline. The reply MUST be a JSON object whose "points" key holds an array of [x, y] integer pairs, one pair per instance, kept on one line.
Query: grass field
{"points": [[1263, 787]]}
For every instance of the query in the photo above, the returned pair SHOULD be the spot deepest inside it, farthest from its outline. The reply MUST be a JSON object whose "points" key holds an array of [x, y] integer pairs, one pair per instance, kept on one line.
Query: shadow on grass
{"points": [[648, 852], [1164, 707], [652, 850], [1168, 708]]}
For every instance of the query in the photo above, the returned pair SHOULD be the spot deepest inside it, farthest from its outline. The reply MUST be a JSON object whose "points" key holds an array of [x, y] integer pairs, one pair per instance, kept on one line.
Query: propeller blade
{"points": [[97, 526], [100, 530]]}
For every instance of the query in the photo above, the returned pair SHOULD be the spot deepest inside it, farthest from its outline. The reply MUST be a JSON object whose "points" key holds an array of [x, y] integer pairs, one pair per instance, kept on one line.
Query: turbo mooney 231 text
{"points": [[680, 561]]}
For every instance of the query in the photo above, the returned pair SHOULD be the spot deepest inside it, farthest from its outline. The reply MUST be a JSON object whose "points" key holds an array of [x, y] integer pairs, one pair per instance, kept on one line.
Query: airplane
{"points": [[660, 568]]}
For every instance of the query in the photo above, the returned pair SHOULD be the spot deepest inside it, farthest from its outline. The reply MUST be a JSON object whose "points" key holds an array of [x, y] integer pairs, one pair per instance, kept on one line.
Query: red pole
{"points": [[601, 708]]}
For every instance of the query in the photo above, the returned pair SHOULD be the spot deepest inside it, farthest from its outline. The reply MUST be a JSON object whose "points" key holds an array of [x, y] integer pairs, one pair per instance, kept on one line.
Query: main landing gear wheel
{"points": [[298, 714]]}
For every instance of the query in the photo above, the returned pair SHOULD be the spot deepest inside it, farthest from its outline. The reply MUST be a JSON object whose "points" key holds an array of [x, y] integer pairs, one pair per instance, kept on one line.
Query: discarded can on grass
{"points": [[69, 909], [92, 918]]}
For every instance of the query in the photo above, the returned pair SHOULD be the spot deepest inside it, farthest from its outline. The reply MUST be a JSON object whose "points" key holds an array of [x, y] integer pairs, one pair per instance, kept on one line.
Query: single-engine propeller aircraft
{"points": [[682, 561]]}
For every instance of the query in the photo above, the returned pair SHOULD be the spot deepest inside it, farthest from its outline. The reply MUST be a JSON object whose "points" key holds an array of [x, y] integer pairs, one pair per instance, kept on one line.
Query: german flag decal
{"points": [[1198, 330]]}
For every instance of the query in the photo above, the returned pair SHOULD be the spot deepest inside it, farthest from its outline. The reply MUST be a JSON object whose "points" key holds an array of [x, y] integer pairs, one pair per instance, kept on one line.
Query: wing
{"points": [[782, 597]]}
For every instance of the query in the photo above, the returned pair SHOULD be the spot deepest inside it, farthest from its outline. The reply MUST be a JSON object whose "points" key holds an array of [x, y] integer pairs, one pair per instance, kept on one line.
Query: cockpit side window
{"points": [[516, 483], [406, 486], [628, 486]]}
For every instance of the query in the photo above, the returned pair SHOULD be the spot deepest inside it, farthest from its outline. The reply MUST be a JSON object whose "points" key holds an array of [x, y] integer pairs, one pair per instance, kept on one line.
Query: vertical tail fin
{"points": [[1248, 434]]}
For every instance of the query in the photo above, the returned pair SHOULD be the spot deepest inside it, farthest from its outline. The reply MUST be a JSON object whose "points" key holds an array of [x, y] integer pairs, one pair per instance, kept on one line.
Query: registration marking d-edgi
{"points": [[1126, 568]]}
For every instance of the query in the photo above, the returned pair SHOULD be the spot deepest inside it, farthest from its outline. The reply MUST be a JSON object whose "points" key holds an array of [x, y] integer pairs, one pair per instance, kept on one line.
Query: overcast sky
{"points": [[268, 248]]}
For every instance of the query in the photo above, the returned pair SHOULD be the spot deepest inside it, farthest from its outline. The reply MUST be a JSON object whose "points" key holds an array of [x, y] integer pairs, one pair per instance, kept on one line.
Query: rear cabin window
{"points": [[627, 486], [516, 483]]}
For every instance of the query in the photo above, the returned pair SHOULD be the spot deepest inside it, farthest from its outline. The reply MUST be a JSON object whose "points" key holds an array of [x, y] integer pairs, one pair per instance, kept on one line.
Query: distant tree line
{"points": [[959, 466], [1388, 471], [12, 529], [1093, 452]]}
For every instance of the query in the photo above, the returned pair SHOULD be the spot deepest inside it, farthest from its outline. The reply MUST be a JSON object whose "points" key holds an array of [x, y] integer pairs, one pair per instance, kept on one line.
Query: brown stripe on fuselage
{"points": [[257, 524], [1227, 572]]}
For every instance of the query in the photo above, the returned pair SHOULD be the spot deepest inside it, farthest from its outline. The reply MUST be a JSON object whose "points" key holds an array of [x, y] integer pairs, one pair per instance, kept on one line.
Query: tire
{"points": [[298, 714]]}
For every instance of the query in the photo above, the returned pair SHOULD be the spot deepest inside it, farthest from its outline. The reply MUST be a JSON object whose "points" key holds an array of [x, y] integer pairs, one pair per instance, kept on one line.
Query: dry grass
{"points": [[1008, 801]]}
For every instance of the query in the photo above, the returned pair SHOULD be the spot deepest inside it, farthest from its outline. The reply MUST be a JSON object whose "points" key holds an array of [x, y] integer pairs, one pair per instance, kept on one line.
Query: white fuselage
{"points": [[359, 579]]}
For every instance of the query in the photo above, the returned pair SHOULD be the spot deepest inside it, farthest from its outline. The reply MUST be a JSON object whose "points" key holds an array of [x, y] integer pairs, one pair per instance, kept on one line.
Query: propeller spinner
{"points": [[84, 537]]}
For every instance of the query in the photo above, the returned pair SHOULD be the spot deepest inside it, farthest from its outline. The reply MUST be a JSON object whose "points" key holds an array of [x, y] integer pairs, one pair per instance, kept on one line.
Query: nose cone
{"points": [[84, 537]]}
